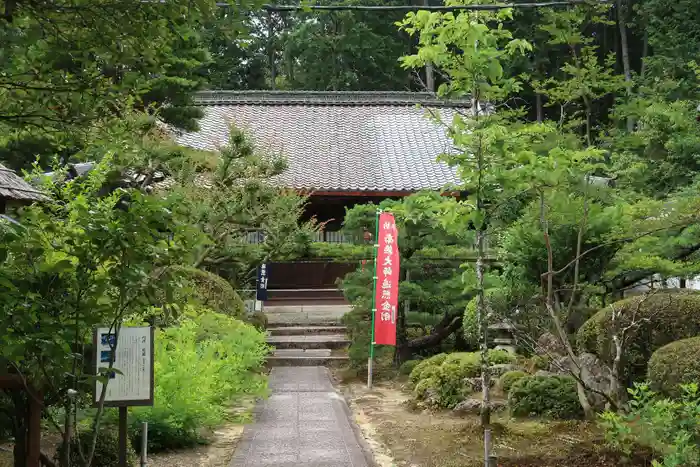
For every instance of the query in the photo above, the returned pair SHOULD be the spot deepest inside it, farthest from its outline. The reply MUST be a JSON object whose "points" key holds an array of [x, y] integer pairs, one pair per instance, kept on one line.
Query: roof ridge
{"points": [[325, 98]]}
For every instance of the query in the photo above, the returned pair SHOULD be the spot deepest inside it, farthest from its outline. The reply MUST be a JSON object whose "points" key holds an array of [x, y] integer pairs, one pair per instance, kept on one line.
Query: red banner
{"points": [[386, 296]]}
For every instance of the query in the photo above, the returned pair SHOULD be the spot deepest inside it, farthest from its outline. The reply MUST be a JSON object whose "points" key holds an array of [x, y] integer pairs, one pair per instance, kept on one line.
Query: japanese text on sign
{"points": [[387, 290], [132, 384]]}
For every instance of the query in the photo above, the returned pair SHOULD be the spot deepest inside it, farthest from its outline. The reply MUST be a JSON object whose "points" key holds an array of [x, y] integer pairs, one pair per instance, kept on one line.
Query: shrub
{"points": [[257, 319], [106, 449], [407, 367], [450, 370], [673, 365], [670, 428], [509, 378], [539, 362], [548, 396], [422, 387], [432, 362], [672, 316], [209, 361], [451, 388], [208, 290]]}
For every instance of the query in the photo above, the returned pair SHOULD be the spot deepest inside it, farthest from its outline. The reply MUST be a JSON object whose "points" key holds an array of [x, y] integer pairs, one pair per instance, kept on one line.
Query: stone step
{"points": [[305, 315], [331, 341], [306, 330], [305, 357], [332, 361], [283, 320]]}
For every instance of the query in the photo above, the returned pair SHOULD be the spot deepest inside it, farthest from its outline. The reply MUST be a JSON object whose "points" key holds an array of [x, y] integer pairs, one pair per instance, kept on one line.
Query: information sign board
{"points": [[132, 384]]}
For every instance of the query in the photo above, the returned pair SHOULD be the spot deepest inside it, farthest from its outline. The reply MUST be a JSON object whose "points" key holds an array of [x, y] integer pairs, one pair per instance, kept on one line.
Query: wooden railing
{"points": [[320, 236]]}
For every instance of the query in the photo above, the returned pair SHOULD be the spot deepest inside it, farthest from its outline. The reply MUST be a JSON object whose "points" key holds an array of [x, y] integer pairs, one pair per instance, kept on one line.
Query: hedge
{"points": [[673, 316], [675, 364], [546, 396]]}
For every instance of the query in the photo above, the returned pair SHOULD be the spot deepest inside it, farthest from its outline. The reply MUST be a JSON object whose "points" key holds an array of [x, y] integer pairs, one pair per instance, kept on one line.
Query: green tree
{"points": [[345, 51], [75, 262], [235, 200], [430, 286], [470, 49], [69, 67]]}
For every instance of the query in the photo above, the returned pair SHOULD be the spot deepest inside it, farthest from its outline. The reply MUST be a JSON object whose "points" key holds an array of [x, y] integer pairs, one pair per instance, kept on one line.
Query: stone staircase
{"points": [[307, 335]]}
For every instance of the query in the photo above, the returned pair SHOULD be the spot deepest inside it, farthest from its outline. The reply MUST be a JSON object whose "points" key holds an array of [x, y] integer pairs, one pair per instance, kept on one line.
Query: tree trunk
{"points": [[67, 434], [539, 107], [483, 324], [271, 51], [615, 392], [645, 52], [448, 325], [20, 429], [621, 17], [574, 363]]}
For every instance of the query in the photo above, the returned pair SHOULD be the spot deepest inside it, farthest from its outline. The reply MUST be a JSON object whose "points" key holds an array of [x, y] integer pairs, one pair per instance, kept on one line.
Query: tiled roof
{"points": [[13, 187], [336, 141]]}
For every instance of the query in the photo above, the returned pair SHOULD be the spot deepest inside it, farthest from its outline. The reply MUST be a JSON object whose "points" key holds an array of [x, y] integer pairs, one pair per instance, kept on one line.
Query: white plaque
{"points": [[133, 383]]}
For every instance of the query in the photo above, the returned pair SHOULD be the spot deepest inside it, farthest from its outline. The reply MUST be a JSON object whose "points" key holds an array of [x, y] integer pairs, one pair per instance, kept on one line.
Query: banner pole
{"points": [[370, 361]]}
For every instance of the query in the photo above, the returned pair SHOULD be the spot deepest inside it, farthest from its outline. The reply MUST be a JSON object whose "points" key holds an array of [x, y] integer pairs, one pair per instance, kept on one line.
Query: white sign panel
{"points": [[134, 360]]}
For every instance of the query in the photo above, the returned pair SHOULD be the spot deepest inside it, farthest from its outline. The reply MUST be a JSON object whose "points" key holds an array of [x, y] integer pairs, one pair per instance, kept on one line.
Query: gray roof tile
{"points": [[336, 141]]}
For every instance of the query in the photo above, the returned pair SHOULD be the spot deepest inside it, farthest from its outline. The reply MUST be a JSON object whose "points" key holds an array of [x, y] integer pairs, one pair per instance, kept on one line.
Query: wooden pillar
{"points": [[35, 402], [122, 437], [34, 430]]}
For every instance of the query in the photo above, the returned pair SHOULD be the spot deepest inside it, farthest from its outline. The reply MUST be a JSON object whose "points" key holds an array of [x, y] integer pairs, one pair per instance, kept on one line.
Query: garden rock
{"points": [[549, 344], [473, 384], [595, 375], [545, 373], [473, 407], [432, 397]]}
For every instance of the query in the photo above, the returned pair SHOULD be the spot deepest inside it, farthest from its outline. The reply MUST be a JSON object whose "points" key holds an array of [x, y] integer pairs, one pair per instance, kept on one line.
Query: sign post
{"points": [[131, 353], [385, 291], [261, 283]]}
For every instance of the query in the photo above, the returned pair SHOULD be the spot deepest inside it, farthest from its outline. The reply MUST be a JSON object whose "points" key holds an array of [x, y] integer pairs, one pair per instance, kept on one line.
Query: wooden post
{"points": [[34, 430], [33, 416], [122, 437], [144, 444]]}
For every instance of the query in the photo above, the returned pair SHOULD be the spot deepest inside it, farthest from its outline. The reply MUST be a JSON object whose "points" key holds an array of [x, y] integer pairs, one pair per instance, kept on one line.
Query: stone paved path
{"points": [[303, 423]]}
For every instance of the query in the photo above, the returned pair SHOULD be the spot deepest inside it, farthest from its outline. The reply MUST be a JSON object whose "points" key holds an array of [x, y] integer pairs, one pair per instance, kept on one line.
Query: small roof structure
{"points": [[362, 143], [15, 188]]}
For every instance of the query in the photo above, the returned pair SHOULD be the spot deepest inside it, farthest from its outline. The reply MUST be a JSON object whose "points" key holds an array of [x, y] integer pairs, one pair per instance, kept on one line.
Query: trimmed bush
{"points": [[425, 365], [673, 365], [546, 396], [423, 386], [508, 379], [210, 291], [106, 449], [672, 316], [408, 366], [448, 371]]}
